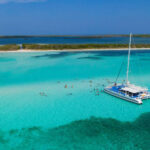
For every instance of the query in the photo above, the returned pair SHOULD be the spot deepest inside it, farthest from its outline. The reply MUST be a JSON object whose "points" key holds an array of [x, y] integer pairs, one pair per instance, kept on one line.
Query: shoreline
{"points": [[72, 50]]}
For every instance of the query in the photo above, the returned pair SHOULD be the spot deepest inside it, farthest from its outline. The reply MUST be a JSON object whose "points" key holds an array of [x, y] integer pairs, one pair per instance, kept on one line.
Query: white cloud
{"points": [[20, 1]]}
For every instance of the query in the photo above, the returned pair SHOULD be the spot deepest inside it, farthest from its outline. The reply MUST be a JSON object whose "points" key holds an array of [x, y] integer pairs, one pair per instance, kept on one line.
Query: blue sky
{"points": [[74, 17]]}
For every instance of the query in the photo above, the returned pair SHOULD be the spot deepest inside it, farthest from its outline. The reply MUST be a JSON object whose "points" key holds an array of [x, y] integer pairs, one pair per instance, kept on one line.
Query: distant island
{"points": [[77, 36], [14, 47], [102, 46]]}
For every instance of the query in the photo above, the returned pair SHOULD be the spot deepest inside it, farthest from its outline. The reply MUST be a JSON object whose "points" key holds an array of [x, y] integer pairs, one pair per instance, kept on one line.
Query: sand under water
{"points": [[54, 100]]}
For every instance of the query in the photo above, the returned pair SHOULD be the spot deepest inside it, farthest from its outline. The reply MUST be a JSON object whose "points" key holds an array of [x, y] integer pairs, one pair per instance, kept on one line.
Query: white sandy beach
{"points": [[72, 50]]}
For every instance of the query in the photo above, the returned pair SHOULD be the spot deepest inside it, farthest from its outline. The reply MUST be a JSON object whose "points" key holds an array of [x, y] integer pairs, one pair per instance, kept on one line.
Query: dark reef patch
{"points": [[116, 52], [145, 59], [57, 55], [90, 134], [90, 58], [96, 54]]}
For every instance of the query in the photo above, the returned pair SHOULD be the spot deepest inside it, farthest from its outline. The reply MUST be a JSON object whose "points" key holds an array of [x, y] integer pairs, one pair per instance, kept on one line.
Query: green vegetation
{"points": [[79, 46], [142, 35], [68, 46], [71, 46], [9, 47]]}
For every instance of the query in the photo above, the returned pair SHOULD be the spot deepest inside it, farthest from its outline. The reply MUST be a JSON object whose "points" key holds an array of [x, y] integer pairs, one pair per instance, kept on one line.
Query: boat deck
{"points": [[117, 88]]}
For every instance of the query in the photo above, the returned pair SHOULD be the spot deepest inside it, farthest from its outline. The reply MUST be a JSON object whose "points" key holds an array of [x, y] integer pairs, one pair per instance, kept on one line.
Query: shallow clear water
{"points": [[50, 89]]}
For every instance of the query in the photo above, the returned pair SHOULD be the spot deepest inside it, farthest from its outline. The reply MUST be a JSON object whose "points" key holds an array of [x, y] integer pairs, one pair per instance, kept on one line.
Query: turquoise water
{"points": [[40, 91]]}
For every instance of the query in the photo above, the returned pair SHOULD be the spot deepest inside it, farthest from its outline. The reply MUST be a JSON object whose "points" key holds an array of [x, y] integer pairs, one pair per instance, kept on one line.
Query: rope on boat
{"points": [[120, 70]]}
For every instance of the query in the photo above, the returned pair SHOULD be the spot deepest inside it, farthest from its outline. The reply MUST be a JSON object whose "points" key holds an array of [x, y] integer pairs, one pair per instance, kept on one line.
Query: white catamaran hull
{"points": [[127, 98], [127, 91]]}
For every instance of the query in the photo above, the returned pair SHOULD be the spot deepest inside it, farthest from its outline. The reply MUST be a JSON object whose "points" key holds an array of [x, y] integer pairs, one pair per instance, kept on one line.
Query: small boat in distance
{"points": [[128, 91]]}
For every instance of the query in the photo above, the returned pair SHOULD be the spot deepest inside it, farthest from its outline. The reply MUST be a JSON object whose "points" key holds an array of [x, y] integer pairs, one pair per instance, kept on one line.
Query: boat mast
{"points": [[127, 81]]}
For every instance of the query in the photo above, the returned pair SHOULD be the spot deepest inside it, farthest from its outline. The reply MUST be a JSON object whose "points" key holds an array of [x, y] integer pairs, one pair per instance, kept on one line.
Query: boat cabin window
{"points": [[135, 94], [129, 93], [122, 91]]}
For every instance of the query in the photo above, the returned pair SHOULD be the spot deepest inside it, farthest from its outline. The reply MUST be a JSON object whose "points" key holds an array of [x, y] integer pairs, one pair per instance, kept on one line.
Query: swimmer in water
{"points": [[43, 94], [90, 81], [69, 94]]}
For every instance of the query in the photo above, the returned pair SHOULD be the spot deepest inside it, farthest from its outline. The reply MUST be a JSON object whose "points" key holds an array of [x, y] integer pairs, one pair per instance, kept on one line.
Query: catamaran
{"points": [[128, 91]]}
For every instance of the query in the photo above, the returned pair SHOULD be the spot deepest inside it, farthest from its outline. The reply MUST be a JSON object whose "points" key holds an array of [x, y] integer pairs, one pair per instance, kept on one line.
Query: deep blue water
{"points": [[72, 40]]}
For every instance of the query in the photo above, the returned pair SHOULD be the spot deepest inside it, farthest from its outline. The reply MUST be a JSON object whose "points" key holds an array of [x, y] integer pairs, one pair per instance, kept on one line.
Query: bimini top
{"points": [[133, 89]]}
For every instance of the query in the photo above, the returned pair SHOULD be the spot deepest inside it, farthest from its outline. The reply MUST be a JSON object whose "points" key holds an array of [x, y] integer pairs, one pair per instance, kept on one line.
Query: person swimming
{"points": [[69, 94], [43, 94]]}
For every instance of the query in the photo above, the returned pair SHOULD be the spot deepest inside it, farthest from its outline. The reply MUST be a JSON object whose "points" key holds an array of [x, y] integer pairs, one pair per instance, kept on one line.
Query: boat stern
{"points": [[145, 95]]}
